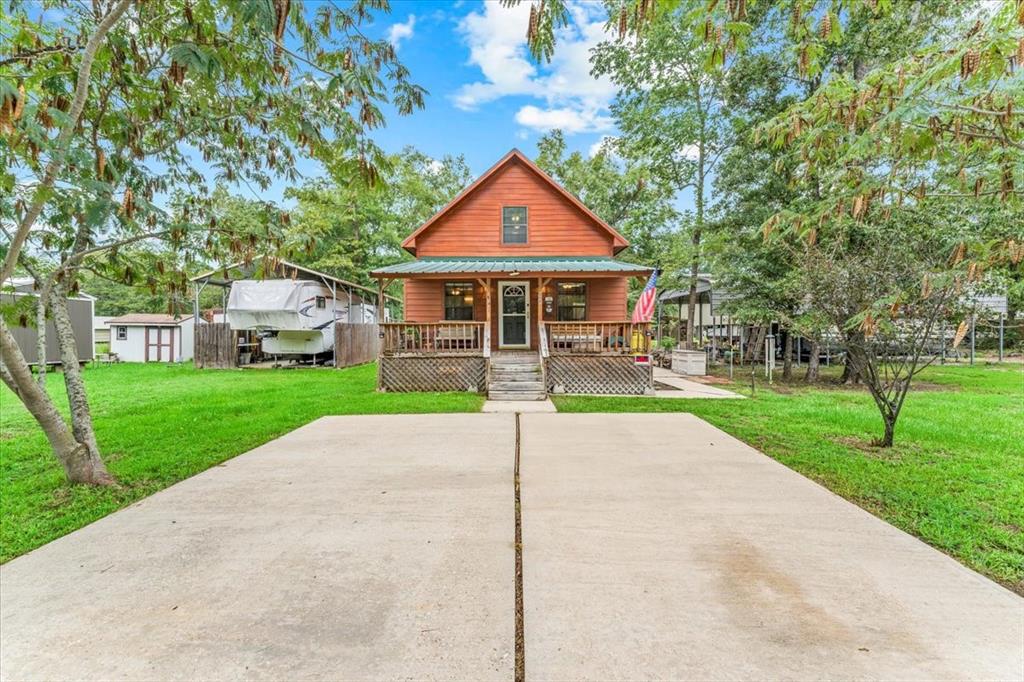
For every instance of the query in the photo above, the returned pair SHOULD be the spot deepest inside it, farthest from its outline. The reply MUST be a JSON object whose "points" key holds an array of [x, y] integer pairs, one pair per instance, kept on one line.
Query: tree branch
{"points": [[63, 139]]}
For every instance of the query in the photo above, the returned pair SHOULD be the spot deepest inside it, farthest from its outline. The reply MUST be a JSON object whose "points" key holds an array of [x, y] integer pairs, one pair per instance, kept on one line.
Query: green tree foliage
{"points": [[669, 110], [626, 195], [349, 228], [116, 105], [886, 190]]}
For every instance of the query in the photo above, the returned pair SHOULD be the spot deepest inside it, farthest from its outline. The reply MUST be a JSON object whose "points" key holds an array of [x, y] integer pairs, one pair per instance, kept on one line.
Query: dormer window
{"points": [[513, 225]]}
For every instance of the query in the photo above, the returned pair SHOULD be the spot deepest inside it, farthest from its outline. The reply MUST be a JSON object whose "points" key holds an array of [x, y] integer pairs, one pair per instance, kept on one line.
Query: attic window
{"points": [[513, 225]]}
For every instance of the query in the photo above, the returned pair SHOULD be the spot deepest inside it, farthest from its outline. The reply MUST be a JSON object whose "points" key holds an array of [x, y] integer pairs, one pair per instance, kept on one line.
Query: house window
{"points": [[122, 333], [513, 225], [458, 301], [321, 302], [572, 301]]}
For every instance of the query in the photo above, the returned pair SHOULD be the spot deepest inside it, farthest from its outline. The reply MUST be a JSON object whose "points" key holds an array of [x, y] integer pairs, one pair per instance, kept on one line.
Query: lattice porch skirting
{"points": [[433, 373], [618, 375]]}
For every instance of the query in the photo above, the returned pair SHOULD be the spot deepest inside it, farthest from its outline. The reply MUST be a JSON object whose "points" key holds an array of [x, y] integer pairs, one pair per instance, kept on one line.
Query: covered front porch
{"points": [[571, 319]]}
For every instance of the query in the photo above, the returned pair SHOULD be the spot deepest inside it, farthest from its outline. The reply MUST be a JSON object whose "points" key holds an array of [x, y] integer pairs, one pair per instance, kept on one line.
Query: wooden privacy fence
{"points": [[355, 344], [216, 346]]}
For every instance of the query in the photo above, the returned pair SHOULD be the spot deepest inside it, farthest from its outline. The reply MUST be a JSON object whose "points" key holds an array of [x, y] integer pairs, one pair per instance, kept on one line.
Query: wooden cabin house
{"points": [[515, 290]]}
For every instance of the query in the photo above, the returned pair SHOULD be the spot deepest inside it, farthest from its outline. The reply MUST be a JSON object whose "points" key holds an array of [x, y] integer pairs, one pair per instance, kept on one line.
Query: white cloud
{"points": [[402, 31], [568, 96], [596, 147], [690, 152], [568, 119]]}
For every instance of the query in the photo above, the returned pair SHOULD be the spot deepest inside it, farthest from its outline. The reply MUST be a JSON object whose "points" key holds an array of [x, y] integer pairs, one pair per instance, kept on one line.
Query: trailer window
{"points": [[122, 333], [458, 301], [321, 302]]}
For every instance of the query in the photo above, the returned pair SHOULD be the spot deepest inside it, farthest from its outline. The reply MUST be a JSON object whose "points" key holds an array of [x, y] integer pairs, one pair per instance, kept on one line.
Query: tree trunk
{"points": [[698, 228], [890, 431], [72, 455], [691, 301], [41, 340], [812, 363], [787, 356], [81, 417], [850, 375]]}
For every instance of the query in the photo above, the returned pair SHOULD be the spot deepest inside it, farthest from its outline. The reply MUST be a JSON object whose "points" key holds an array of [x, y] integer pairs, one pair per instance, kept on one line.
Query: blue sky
{"points": [[486, 94]]}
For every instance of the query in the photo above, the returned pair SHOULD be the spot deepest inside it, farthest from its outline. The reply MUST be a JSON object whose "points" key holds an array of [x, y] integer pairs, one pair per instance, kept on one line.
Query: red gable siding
{"points": [[555, 226]]}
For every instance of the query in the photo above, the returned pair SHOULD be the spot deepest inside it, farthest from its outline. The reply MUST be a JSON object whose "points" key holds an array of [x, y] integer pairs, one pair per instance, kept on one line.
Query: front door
{"points": [[514, 315]]}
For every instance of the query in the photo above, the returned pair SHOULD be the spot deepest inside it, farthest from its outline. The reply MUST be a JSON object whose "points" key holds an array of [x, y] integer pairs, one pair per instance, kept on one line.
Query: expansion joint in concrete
{"points": [[520, 672]]}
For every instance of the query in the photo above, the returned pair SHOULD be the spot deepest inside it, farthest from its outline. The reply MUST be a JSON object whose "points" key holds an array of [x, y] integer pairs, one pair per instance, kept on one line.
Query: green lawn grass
{"points": [[955, 477], [158, 424]]}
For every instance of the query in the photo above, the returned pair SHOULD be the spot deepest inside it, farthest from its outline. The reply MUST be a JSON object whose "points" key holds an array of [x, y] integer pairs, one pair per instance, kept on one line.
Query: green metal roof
{"points": [[504, 264]]}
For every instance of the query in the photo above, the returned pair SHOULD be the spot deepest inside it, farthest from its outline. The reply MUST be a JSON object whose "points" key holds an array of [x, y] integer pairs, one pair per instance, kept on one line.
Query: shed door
{"points": [[159, 344]]}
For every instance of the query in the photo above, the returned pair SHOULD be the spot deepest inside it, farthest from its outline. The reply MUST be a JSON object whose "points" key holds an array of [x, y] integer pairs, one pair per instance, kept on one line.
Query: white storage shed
{"points": [[152, 337]]}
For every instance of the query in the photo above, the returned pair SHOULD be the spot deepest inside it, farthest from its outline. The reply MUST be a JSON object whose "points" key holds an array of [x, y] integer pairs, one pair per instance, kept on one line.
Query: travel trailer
{"points": [[292, 317]]}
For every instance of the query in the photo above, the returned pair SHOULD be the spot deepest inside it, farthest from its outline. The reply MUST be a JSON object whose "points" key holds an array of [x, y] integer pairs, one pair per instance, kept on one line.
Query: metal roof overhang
{"points": [[285, 268], [507, 265]]}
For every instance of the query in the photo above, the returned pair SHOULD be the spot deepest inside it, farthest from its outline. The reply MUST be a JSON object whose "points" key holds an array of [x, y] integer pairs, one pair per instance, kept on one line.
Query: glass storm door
{"points": [[514, 322]]}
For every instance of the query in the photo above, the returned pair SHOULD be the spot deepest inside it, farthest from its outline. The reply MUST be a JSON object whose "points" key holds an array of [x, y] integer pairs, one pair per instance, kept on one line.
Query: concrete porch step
{"points": [[516, 395]]}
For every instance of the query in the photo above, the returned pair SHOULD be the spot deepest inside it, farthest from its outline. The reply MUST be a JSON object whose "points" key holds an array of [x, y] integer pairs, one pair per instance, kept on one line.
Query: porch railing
{"points": [[451, 338], [597, 338]]}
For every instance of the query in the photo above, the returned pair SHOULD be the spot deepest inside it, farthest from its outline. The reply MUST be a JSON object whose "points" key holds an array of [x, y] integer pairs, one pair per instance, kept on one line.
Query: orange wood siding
{"points": [[424, 300], [606, 297], [554, 226], [606, 301]]}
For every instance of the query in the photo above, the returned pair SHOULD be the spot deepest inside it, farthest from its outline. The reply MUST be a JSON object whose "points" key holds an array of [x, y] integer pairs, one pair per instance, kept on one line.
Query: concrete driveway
{"points": [[352, 548], [654, 547]]}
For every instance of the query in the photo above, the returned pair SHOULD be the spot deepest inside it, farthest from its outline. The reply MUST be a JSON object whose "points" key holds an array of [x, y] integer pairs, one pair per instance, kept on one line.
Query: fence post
{"points": [[1000, 337]]}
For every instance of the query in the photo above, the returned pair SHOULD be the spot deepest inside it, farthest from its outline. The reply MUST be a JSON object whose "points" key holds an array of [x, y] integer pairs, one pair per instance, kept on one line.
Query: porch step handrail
{"points": [[438, 338], [612, 337]]}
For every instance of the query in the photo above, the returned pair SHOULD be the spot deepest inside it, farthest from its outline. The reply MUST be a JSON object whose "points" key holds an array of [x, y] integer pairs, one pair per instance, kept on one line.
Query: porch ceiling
{"points": [[508, 264]]}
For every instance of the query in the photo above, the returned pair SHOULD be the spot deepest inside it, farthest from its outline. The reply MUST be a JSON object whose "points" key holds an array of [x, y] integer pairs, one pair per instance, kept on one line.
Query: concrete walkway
{"points": [[655, 546], [352, 548], [682, 387], [521, 406]]}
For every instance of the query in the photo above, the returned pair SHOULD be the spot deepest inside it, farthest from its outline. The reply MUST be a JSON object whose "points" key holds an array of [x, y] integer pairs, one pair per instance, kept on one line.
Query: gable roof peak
{"points": [[619, 242]]}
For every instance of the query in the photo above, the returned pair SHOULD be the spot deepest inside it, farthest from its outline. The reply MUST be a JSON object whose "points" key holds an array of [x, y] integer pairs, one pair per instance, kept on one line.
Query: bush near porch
{"points": [[158, 424], [955, 477]]}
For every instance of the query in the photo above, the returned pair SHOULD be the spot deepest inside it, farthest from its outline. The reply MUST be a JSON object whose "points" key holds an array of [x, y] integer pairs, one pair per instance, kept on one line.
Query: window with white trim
{"points": [[122, 333], [513, 225]]}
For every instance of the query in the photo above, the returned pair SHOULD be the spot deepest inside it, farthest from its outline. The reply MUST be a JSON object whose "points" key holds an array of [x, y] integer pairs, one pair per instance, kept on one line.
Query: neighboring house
{"points": [[515, 263], [80, 310], [101, 332], [151, 337]]}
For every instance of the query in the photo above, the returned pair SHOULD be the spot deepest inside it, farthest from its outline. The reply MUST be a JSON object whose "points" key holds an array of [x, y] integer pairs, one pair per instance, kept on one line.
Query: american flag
{"points": [[644, 310]]}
